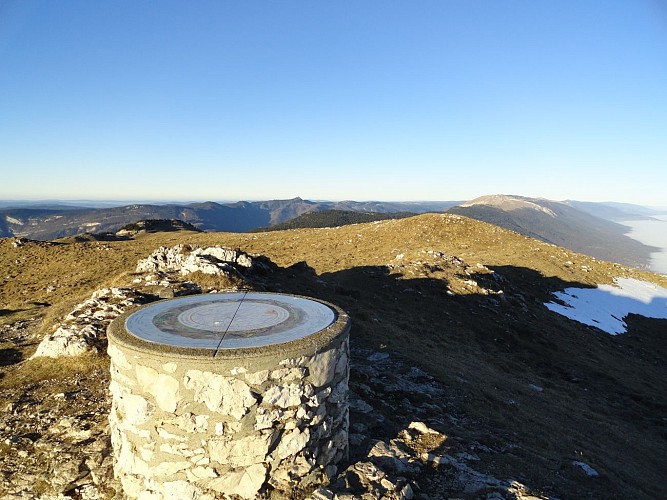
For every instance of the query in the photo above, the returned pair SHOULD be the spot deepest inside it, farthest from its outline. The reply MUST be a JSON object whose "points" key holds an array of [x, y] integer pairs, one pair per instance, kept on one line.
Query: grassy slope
{"points": [[571, 228], [603, 401]]}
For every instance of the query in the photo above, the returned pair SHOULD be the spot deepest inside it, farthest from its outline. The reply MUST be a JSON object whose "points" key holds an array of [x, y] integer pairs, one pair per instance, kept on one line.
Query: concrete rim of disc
{"points": [[117, 334]]}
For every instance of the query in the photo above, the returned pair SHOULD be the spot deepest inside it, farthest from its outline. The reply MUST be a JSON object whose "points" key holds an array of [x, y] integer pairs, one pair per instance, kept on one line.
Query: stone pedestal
{"points": [[228, 394]]}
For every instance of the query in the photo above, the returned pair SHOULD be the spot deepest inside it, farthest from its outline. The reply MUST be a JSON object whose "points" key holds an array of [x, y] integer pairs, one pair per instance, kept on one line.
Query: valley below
{"points": [[652, 232]]}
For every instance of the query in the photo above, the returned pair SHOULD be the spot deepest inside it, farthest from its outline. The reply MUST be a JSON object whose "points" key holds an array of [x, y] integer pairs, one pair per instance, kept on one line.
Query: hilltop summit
{"points": [[450, 333], [560, 224]]}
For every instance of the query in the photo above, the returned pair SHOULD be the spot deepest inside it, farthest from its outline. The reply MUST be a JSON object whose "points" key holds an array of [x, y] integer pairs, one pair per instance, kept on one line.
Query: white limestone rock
{"points": [[257, 378], [164, 388], [190, 423], [86, 324], [319, 398], [422, 428], [293, 362], [169, 367], [211, 260], [266, 419], [245, 483], [343, 363], [118, 357], [291, 443], [134, 408], [146, 452], [390, 457], [226, 255], [166, 469], [284, 396], [240, 452], [65, 341], [181, 490], [227, 395], [204, 472], [165, 434], [130, 462], [288, 374], [340, 392], [290, 469], [181, 449], [322, 367]]}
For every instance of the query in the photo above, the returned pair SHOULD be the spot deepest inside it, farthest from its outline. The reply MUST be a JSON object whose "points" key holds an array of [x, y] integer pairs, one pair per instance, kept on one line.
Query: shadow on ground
{"points": [[547, 390], [10, 356]]}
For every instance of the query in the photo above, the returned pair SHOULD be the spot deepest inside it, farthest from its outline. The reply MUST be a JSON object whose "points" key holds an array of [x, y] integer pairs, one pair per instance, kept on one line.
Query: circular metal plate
{"points": [[230, 320]]}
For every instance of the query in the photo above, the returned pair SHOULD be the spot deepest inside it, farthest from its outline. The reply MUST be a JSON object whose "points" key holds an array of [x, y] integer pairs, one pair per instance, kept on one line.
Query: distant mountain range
{"points": [[590, 228], [51, 222]]}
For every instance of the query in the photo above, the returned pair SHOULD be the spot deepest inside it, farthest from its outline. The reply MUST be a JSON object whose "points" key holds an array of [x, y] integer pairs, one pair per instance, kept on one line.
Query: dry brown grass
{"points": [[38, 370], [599, 391]]}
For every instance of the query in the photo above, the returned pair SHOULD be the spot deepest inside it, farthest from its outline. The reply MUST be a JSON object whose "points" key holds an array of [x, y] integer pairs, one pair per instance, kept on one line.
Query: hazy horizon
{"points": [[101, 203]]}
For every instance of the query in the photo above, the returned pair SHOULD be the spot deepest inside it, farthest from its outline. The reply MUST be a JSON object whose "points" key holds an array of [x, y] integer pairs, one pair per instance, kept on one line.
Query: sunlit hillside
{"points": [[525, 393]]}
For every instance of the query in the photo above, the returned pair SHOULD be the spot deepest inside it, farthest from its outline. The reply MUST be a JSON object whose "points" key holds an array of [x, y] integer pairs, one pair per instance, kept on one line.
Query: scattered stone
{"points": [[390, 457], [84, 329], [58, 444], [378, 356], [361, 406], [421, 427]]}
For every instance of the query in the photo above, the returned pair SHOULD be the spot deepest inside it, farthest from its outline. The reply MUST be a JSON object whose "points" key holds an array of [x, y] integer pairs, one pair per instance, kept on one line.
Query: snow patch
{"points": [[606, 306]]}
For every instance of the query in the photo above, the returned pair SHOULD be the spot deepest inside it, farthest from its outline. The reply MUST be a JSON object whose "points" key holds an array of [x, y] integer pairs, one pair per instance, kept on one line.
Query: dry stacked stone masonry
{"points": [[200, 424]]}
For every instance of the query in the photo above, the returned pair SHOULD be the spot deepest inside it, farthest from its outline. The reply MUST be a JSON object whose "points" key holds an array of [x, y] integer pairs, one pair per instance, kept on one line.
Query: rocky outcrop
{"points": [[84, 329], [212, 260], [405, 441], [399, 448]]}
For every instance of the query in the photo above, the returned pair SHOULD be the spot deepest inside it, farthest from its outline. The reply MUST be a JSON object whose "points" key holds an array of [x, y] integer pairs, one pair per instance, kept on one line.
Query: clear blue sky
{"points": [[409, 100]]}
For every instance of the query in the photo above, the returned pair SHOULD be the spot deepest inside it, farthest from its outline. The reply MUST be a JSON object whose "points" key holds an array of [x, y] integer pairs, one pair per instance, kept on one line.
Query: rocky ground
{"points": [[404, 440], [463, 385]]}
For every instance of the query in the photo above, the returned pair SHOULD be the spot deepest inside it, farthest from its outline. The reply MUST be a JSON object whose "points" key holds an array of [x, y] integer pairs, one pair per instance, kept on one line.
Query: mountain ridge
{"points": [[584, 227], [241, 216], [561, 224]]}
